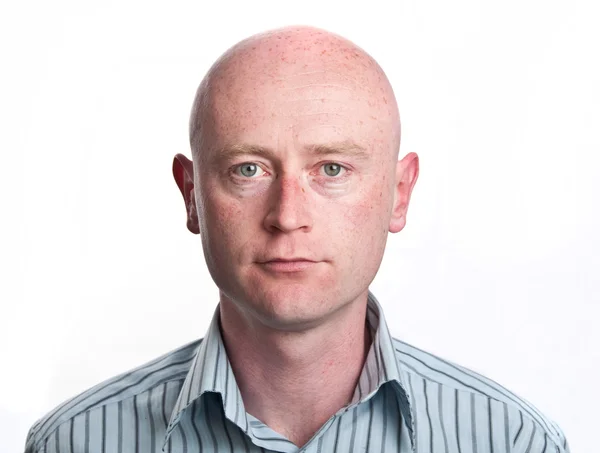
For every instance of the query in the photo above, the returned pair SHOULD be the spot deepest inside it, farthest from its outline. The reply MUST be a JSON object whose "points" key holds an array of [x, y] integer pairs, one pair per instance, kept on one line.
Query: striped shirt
{"points": [[406, 400]]}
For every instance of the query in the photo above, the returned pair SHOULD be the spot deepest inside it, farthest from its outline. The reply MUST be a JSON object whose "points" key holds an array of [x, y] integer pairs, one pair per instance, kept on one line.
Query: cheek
{"points": [[223, 219], [224, 222], [368, 215], [365, 227]]}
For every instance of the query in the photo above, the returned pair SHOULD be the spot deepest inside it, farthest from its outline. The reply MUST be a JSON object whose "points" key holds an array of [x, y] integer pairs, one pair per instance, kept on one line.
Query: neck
{"points": [[295, 381]]}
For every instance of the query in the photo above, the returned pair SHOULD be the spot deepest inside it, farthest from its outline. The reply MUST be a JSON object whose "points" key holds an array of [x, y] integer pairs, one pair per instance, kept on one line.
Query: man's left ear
{"points": [[407, 172]]}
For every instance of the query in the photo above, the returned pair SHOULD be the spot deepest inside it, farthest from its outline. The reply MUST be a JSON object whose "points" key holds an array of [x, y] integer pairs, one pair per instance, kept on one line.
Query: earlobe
{"points": [[183, 173], [397, 223]]}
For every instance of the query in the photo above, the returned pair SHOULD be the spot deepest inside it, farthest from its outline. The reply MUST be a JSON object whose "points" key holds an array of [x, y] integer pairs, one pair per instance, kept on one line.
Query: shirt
{"points": [[406, 400]]}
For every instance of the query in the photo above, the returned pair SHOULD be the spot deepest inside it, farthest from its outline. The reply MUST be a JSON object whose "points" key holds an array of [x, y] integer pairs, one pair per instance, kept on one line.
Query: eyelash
{"points": [[346, 171]]}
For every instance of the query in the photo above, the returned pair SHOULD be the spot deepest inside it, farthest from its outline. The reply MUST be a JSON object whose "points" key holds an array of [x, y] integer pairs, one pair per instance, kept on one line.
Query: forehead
{"points": [[306, 99]]}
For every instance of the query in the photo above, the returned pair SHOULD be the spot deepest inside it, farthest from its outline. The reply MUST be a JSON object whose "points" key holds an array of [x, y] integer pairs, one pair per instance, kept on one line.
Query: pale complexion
{"points": [[295, 136]]}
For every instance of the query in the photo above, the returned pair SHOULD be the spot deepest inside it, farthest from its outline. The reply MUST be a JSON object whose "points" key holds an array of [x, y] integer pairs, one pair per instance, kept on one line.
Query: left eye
{"points": [[332, 169], [249, 170]]}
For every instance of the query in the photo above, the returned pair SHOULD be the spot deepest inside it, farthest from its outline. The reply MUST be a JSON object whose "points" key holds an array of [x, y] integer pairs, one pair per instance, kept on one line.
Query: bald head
{"points": [[289, 65]]}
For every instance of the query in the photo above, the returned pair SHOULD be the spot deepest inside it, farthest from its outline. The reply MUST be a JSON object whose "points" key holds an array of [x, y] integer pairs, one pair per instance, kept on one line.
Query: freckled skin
{"points": [[258, 100], [284, 90]]}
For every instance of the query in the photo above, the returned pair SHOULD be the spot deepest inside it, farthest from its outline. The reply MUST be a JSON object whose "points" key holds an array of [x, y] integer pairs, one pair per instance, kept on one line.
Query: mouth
{"points": [[288, 265]]}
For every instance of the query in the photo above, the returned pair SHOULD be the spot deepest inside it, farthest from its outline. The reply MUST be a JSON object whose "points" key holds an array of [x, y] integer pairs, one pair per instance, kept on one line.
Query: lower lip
{"points": [[288, 266]]}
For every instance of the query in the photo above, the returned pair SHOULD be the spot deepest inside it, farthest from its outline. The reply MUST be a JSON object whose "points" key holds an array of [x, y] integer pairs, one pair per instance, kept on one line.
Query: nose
{"points": [[289, 206]]}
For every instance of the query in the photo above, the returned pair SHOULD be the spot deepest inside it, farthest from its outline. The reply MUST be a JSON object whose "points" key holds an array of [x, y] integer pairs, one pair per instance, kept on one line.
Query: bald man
{"points": [[293, 186]]}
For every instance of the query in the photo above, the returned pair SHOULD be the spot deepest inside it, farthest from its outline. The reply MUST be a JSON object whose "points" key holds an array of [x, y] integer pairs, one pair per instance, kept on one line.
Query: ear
{"points": [[407, 172], [183, 172]]}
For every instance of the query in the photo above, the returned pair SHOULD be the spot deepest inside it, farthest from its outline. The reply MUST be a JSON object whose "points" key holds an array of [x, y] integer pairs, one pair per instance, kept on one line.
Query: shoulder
{"points": [[169, 367], [426, 368]]}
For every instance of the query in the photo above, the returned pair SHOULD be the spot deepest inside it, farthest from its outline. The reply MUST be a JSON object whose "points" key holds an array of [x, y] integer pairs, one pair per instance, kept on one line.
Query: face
{"points": [[296, 187]]}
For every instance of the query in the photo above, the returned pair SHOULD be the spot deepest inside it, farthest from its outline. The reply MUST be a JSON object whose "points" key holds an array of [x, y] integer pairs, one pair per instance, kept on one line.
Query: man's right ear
{"points": [[183, 172]]}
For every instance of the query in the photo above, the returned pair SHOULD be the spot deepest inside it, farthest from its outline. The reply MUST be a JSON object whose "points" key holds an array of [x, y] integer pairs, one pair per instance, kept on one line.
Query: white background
{"points": [[497, 268]]}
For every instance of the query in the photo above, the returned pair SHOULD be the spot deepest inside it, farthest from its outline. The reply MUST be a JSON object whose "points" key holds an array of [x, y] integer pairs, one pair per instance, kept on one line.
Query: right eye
{"points": [[248, 170]]}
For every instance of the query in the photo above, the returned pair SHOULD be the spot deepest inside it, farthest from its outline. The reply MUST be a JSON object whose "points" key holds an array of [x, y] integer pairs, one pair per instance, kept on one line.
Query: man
{"points": [[294, 185]]}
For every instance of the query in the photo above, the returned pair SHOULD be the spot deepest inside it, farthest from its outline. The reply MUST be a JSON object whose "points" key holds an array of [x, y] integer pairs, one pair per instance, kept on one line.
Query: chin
{"points": [[291, 305]]}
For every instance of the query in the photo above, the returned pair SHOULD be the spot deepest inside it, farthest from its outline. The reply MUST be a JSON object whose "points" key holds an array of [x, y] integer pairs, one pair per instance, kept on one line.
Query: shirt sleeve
{"points": [[30, 446], [564, 445]]}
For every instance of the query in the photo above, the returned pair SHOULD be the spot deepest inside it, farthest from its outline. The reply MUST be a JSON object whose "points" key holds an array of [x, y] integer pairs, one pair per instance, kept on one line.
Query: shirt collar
{"points": [[211, 372], [382, 358]]}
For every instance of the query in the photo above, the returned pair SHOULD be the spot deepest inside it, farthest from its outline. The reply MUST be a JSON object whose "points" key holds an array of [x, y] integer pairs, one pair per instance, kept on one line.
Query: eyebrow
{"points": [[343, 148]]}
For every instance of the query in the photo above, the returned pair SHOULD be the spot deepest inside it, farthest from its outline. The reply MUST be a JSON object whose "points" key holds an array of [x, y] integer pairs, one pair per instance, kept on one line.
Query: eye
{"points": [[248, 170], [332, 169]]}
